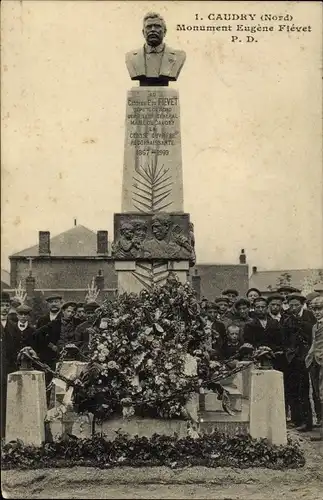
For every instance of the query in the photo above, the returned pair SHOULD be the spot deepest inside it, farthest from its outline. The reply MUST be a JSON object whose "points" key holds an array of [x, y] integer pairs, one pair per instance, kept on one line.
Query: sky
{"points": [[251, 125]]}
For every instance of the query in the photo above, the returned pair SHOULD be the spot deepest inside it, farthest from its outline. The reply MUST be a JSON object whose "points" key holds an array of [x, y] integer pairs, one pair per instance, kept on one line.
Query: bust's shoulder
{"points": [[134, 52], [178, 53]]}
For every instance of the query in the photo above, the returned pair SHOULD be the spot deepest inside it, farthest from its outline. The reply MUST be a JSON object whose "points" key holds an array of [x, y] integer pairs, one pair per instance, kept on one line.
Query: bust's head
{"points": [[154, 29]]}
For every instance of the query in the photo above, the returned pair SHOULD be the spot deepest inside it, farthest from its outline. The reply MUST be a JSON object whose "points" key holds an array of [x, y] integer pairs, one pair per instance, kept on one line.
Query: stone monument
{"points": [[152, 235]]}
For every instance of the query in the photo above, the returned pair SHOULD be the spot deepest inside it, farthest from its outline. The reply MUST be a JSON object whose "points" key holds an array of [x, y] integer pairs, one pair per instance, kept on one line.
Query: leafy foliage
{"points": [[284, 279], [138, 357], [209, 450]]}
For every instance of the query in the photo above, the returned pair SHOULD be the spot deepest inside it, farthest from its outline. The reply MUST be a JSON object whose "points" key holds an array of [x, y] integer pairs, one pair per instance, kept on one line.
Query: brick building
{"points": [[68, 262]]}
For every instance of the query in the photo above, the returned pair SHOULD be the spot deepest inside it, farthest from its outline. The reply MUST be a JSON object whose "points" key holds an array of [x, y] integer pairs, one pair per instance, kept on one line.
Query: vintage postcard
{"points": [[162, 192]]}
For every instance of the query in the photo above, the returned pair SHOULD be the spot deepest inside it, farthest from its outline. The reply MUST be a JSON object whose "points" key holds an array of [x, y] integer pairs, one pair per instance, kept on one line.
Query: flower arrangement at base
{"points": [[137, 360]]}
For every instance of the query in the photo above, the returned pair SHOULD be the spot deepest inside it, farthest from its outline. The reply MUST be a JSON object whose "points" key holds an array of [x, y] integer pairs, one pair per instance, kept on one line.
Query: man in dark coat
{"points": [[286, 290], [214, 332], [297, 327], [51, 338], [84, 331], [223, 305], [263, 330], [80, 315], [54, 304], [25, 330], [12, 341], [314, 360]]}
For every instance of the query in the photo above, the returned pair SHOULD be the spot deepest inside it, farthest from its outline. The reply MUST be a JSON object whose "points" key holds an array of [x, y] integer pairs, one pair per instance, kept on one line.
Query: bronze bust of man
{"points": [[155, 63]]}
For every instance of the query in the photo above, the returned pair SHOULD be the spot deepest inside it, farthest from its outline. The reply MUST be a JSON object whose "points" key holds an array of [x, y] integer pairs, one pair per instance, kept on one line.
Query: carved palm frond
{"points": [[151, 187], [151, 274]]}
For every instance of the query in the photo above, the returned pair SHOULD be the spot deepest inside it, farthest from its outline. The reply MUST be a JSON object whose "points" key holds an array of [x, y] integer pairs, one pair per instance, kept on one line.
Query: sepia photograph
{"points": [[161, 249]]}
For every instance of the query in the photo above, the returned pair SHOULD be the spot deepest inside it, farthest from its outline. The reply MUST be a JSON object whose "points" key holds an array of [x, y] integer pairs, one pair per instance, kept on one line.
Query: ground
{"points": [[162, 482]]}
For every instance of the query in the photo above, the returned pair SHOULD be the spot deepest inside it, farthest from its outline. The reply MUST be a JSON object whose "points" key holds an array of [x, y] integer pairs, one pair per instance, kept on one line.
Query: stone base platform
{"points": [[220, 421], [142, 427]]}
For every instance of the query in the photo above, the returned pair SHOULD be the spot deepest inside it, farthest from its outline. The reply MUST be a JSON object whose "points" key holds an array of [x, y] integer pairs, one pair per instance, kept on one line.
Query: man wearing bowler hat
{"points": [[54, 303]]}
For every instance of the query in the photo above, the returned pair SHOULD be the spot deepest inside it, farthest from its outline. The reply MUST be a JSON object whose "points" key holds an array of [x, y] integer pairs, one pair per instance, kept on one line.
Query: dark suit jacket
{"points": [[172, 63], [50, 334], [12, 341], [270, 336], [44, 320], [298, 334]]}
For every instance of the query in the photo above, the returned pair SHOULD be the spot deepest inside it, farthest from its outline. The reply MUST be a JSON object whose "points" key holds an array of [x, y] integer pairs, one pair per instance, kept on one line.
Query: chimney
{"points": [[254, 269], [99, 280], [242, 257], [44, 243], [102, 243], [75, 222], [196, 284]]}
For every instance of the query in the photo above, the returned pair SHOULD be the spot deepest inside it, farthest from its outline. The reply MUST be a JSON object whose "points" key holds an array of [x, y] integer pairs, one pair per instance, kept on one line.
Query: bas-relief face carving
{"points": [[127, 231], [160, 228], [154, 31], [140, 230]]}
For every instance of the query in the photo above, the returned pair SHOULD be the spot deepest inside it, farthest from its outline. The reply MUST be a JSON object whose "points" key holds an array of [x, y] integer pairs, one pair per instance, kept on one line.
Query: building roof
{"points": [[5, 278], [79, 241], [268, 280]]}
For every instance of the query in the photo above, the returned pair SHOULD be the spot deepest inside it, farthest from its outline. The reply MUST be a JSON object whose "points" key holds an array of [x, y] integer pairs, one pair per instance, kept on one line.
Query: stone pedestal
{"points": [[135, 276], [26, 407], [152, 172], [267, 406]]}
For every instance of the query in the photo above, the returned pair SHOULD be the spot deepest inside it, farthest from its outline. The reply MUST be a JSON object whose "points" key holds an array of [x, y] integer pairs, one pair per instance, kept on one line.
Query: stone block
{"points": [[142, 427], [212, 403], [145, 275], [181, 265], [152, 172], [267, 406], [125, 265], [60, 423], [26, 407], [246, 378]]}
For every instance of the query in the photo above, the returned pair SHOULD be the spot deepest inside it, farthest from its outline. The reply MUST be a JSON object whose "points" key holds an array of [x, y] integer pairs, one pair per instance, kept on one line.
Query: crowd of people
{"points": [[287, 322]]}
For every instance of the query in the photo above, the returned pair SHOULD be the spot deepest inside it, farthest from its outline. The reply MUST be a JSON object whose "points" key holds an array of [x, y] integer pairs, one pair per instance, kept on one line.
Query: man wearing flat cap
{"points": [[239, 315], [84, 331], [51, 338], [297, 327], [214, 331], [286, 290], [262, 330], [232, 295], [223, 305], [54, 303], [25, 330], [275, 307]]}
